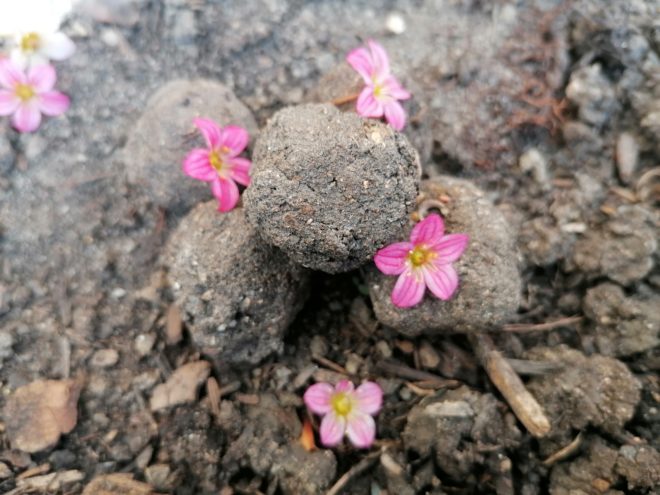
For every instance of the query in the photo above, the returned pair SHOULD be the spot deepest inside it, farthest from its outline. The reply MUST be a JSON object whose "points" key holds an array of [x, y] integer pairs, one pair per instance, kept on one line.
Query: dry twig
{"points": [[359, 468], [523, 404], [564, 452], [548, 325]]}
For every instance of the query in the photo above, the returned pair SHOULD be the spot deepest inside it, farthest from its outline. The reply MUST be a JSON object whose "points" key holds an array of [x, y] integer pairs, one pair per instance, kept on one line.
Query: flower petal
{"points": [[240, 170], [19, 58], [332, 429], [428, 231], [344, 386], [451, 247], [210, 130], [317, 398], [197, 165], [368, 105], [370, 397], [395, 114], [235, 138], [360, 60], [380, 59], [42, 77], [442, 280], [11, 74], [361, 430], [391, 259], [408, 290], [393, 88], [9, 102], [226, 192], [53, 103], [27, 117], [58, 46]]}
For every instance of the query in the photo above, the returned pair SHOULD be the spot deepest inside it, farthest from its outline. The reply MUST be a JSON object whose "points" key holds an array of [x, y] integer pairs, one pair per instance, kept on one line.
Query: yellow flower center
{"points": [[24, 92], [30, 42], [378, 91], [215, 157], [420, 255], [216, 160], [341, 404]]}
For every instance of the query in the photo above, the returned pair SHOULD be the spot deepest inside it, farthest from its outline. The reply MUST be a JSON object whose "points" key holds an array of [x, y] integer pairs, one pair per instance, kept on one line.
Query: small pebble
{"points": [[384, 349], [144, 457], [395, 23], [104, 358], [318, 346], [156, 475], [5, 472], [118, 293], [353, 363], [627, 156], [144, 343], [428, 356], [533, 161]]}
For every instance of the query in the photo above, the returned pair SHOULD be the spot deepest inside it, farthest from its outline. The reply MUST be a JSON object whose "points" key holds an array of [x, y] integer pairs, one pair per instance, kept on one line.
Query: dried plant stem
{"points": [[549, 325], [345, 99], [359, 468], [523, 404], [564, 452], [401, 370]]}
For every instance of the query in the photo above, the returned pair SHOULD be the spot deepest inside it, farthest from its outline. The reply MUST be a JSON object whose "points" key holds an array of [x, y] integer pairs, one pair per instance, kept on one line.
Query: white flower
{"points": [[32, 29], [35, 48]]}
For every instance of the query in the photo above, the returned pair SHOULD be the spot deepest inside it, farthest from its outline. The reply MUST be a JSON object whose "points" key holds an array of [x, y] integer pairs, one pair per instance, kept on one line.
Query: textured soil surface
{"points": [[551, 108]]}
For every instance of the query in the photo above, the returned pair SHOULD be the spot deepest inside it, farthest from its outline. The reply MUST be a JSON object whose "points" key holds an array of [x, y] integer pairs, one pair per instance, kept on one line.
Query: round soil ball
{"points": [[236, 293], [330, 188], [489, 280], [165, 133], [342, 81]]}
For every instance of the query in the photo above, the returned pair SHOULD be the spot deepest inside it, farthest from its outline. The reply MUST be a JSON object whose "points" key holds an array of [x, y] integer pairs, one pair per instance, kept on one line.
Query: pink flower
{"points": [[346, 410], [220, 164], [26, 96], [423, 262], [382, 91]]}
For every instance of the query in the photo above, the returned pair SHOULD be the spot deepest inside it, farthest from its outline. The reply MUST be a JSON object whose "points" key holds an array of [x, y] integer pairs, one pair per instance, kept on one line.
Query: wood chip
{"points": [[181, 387], [116, 484], [37, 414], [41, 469], [173, 325], [213, 392], [47, 483]]}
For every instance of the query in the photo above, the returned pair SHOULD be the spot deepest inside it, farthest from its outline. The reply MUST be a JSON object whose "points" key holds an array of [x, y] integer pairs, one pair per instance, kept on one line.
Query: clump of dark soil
{"points": [[237, 294], [488, 270], [330, 188]]}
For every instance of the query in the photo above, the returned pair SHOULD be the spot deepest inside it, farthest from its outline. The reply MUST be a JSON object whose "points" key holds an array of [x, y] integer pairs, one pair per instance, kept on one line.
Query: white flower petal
{"points": [[57, 46]]}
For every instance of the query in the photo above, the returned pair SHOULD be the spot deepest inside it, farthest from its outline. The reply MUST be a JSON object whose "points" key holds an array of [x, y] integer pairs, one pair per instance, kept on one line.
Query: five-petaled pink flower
{"points": [[346, 411], [26, 96], [220, 164], [382, 91], [423, 262]]}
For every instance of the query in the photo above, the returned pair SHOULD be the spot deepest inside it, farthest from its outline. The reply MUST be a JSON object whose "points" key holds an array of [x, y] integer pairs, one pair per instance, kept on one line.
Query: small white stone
{"points": [[144, 343], [395, 23], [118, 293]]}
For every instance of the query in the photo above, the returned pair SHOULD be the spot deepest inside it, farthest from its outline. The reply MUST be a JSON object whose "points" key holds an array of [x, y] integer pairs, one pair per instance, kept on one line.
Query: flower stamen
{"points": [[24, 92], [420, 256], [30, 42], [216, 161], [341, 404]]}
